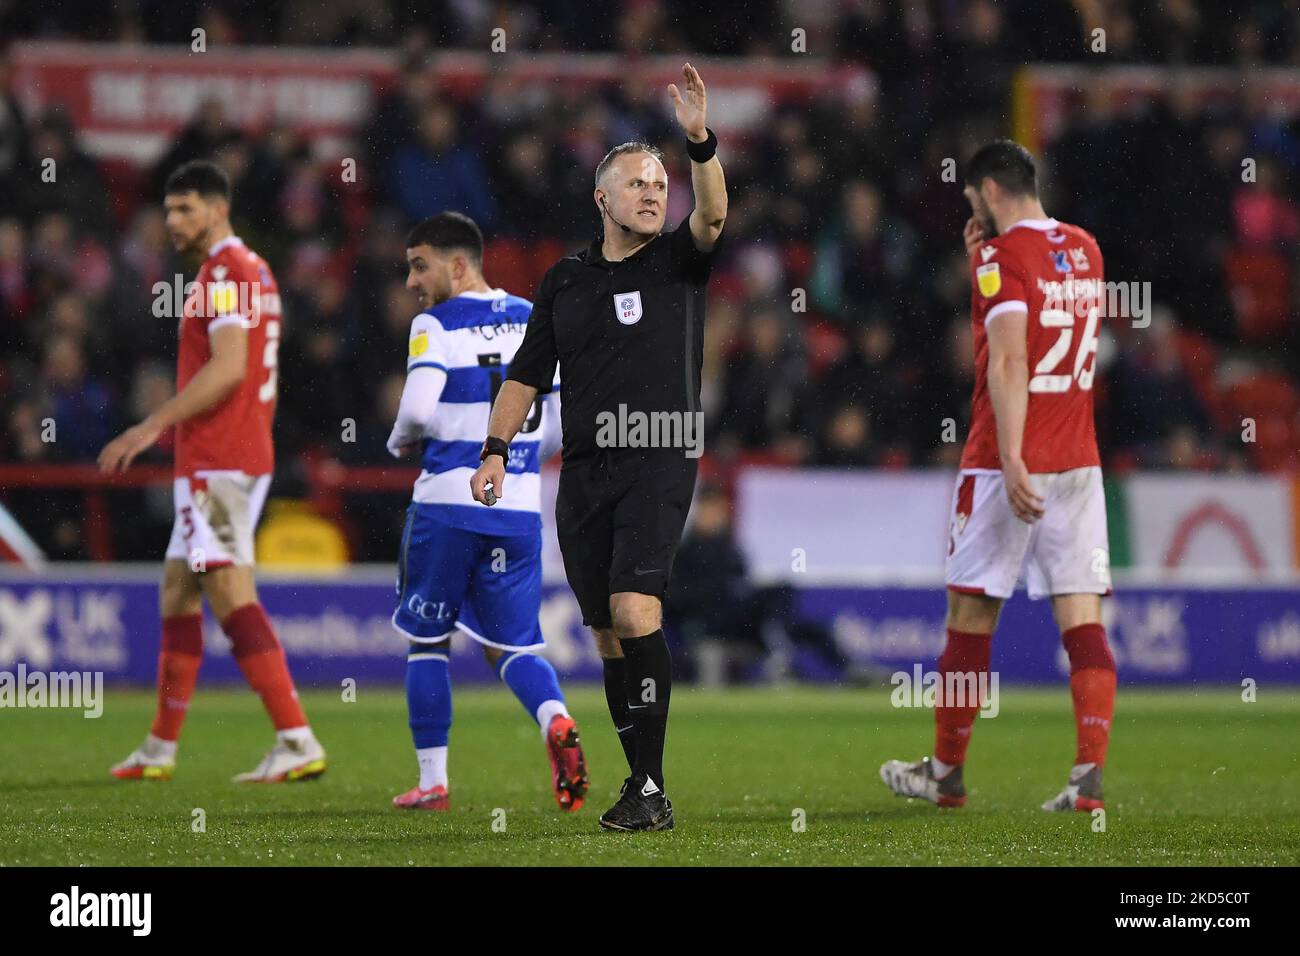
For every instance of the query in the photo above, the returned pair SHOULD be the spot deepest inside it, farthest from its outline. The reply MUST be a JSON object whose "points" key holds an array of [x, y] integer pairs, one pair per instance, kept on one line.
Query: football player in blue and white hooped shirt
{"points": [[464, 567]]}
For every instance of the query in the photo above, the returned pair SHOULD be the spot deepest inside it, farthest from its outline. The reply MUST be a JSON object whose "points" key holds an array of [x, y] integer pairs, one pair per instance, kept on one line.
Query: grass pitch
{"points": [[1193, 778]]}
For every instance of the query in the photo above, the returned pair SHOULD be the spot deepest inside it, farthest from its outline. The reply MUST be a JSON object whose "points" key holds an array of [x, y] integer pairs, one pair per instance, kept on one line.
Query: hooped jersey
{"points": [[473, 338]]}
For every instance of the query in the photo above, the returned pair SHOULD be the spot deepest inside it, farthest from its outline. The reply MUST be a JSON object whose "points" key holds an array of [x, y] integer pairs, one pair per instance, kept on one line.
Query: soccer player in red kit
{"points": [[223, 409], [1029, 496]]}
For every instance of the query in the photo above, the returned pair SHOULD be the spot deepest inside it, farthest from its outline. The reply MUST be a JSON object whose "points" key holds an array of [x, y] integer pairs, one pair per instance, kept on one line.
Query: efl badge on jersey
{"points": [[627, 306], [223, 298], [419, 344], [989, 277]]}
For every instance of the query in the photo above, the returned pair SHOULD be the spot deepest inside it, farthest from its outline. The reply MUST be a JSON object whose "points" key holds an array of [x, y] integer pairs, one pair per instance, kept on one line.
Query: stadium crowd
{"points": [[838, 207]]}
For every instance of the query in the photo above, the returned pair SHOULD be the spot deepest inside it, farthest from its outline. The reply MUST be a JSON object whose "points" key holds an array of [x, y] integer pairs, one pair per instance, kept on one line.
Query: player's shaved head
{"points": [[632, 188], [624, 149], [1008, 164]]}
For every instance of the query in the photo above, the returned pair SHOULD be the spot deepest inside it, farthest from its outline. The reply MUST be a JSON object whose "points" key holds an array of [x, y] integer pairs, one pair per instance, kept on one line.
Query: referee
{"points": [[623, 320]]}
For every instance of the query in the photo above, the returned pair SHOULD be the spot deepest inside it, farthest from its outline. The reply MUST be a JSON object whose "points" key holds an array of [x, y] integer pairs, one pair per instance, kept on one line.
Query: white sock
{"points": [[941, 769], [157, 747], [1078, 770], [547, 711], [433, 767], [295, 735]]}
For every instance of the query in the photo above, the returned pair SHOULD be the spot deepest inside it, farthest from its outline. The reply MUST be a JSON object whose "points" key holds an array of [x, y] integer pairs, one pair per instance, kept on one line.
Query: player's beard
{"points": [[195, 247], [186, 248], [440, 292]]}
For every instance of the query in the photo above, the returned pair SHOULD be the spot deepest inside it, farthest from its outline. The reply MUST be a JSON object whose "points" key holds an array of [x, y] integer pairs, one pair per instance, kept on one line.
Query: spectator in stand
{"points": [[70, 180], [387, 333], [845, 440], [946, 392], [525, 189], [1263, 213], [13, 142], [51, 517], [762, 386], [373, 517], [437, 171], [311, 355], [199, 139], [873, 376], [79, 404], [1155, 413], [1181, 450], [153, 384], [394, 116], [863, 262], [16, 292], [26, 429], [724, 620]]}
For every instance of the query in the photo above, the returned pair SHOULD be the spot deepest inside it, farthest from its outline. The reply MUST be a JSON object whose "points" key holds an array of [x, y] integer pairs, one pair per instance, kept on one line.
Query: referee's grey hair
{"points": [[619, 150]]}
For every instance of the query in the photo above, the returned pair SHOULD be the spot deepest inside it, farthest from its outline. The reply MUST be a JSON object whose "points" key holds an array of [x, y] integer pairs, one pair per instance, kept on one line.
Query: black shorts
{"points": [[619, 519]]}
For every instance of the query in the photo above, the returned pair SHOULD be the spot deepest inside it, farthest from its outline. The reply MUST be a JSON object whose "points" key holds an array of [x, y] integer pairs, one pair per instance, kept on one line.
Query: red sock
{"points": [[1092, 685], [178, 671], [964, 653], [260, 656]]}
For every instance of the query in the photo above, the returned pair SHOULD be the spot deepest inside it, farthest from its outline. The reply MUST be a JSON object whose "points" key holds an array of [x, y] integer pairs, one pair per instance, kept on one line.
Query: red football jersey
{"points": [[1052, 271], [234, 285]]}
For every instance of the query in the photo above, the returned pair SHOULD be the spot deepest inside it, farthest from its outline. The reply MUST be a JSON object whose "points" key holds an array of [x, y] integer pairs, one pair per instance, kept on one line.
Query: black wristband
{"points": [[495, 446], [702, 152]]}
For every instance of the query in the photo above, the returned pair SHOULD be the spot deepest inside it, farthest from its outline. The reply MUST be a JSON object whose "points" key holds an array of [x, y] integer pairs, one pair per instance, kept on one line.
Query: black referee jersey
{"points": [[625, 334]]}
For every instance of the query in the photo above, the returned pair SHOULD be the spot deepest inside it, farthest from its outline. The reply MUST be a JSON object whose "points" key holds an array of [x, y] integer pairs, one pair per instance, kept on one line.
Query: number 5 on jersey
{"points": [[270, 361]]}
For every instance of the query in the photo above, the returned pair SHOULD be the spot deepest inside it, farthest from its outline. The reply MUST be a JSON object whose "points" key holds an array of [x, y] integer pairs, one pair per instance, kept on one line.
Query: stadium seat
{"points": [[125, 183], [1273, 402], [508, 264], [826, 345], [798, 262], [1259, 283], [295, 536]]}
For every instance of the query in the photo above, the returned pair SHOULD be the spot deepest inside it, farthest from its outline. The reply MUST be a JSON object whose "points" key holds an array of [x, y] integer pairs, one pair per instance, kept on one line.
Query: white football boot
{"points": [[288, 761]]}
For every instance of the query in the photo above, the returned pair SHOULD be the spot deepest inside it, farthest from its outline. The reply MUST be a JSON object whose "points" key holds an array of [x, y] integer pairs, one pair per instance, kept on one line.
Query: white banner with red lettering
{"points": [[128, 101], [1222, 523]]}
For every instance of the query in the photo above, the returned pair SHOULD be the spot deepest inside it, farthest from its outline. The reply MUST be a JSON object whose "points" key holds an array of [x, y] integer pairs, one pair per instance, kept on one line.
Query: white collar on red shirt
{"points": [[228, 241], [1043, 225]]}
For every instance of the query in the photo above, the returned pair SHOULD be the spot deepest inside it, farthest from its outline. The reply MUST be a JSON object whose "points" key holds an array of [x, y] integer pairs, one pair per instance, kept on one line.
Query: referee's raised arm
{"points": [[707, 181]]}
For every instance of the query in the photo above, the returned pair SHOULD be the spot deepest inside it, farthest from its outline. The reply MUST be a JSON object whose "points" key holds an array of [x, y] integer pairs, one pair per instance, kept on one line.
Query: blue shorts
{"points": [[487, 585]]}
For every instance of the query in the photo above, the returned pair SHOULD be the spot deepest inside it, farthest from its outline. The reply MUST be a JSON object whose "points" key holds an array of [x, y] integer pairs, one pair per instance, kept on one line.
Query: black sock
{"points": [[649, 686], [616, 700]]}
